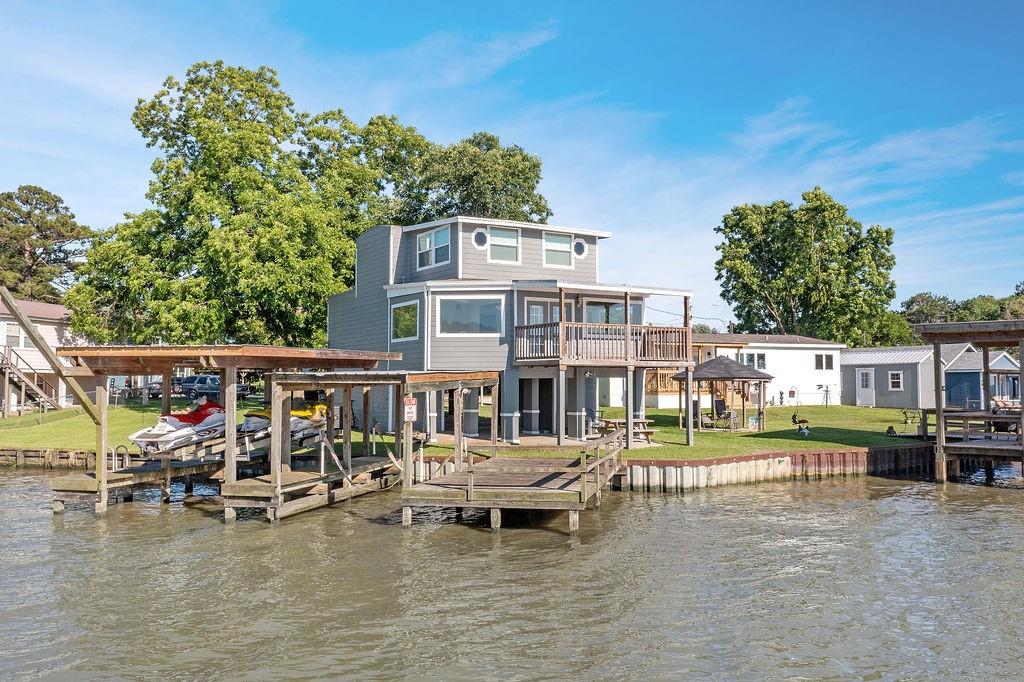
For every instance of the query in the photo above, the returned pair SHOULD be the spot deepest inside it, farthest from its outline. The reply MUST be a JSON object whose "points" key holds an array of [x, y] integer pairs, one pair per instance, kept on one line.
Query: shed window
{"points": [[504, 245], [433, 248], [557, 250], [895, 381], [823, 361]]}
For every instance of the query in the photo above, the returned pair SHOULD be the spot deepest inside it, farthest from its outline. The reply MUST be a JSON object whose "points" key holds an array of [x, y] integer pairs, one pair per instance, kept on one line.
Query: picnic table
{"points": [[641, 427]]}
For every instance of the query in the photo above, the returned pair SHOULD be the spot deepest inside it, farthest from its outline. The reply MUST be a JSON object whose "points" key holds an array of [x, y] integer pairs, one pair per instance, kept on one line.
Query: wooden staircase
{"points": [[16, 372]]}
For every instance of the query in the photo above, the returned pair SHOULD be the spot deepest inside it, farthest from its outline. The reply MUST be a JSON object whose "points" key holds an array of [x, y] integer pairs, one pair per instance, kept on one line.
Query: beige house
{"points": [[28, 381]]}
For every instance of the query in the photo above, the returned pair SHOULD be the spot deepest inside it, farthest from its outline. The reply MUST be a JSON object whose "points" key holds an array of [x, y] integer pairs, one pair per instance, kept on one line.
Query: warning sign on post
{"points": [[410, 409]]}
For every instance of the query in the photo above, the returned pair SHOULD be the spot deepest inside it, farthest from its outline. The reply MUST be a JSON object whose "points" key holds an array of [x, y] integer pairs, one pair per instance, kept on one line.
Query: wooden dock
{"points": [[304, 489], [563, 483]]}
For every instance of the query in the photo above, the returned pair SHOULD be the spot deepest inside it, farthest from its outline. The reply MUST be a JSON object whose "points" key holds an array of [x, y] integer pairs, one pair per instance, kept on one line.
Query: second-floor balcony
{"points": [[588, 343]]}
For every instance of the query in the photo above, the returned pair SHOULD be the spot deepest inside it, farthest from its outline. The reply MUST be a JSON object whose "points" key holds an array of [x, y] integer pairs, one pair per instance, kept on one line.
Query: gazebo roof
{"points": [[722, 368]]}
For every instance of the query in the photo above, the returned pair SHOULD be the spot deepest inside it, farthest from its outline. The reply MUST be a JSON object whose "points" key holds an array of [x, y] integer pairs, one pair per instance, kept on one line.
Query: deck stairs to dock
{"points": [[22, 376]]}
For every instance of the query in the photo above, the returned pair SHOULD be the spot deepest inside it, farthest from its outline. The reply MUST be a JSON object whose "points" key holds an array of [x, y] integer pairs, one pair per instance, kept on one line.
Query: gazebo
{"points": [[723, 370]]}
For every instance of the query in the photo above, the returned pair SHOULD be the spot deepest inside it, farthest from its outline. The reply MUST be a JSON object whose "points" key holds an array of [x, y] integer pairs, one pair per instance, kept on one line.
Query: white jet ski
{"points": [[203, 422]]}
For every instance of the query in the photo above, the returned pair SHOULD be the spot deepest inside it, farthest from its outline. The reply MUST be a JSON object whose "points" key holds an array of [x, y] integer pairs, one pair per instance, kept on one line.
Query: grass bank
{"points": [[831, 427]]}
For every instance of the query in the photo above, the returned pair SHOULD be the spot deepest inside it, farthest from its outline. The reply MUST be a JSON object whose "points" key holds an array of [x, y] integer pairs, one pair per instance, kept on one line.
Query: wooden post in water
{"points": [[346, 427], [229, 386], [330, 419], [457, 409], [940, 419], [405, 428], [495, 518], [367, 422], [279, 422], [102, 399]]}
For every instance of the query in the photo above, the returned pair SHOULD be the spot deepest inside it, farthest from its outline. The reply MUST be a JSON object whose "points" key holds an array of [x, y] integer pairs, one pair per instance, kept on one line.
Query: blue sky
{"points": [[652, 119]]}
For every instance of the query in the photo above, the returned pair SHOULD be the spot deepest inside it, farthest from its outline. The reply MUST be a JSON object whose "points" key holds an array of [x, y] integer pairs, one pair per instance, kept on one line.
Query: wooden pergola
{"points": [[719, 370], [227, 360], [986, 334]]}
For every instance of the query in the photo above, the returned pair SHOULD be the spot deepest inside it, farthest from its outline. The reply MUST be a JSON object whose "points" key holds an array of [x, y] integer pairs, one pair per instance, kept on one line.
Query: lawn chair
{"points": [[724, 415]]}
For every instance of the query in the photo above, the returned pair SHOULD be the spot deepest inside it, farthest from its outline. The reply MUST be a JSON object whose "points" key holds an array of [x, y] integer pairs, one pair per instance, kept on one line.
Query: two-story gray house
{"points": [[521, 298]]}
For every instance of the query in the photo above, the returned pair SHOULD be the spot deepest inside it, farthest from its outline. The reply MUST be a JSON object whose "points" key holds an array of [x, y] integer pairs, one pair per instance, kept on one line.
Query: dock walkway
{"points": [[561, 483]]}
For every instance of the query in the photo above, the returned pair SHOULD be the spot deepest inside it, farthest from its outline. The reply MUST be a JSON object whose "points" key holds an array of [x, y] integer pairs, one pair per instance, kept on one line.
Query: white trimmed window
{"points": [[405, 321], [433, 247], [823, 361], [755, 360], [503, 245], [12, 336], [471, 315], [557, 250], [895, 381]]}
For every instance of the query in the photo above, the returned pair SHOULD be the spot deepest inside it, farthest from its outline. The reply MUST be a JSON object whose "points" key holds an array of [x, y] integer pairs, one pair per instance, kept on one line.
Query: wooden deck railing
{"points": [[600, 458], [601, 343]]}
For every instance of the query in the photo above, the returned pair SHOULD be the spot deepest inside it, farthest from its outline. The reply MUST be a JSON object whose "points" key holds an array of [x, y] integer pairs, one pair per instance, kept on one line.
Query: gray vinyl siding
{"points": [[405, 258], [356, 319], [475, 265], [466, 352]]}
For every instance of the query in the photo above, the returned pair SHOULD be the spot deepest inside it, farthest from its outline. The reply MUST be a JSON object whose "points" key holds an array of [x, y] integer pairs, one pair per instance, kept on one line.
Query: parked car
{"points": [[205, 384], [156, 388]]}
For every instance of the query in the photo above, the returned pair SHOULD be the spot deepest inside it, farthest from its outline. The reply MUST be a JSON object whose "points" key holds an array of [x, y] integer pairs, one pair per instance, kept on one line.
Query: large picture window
{"points": [[433, 248], [614, 313], [557, 250], [481, 316], [405, 321], [504, 245]]}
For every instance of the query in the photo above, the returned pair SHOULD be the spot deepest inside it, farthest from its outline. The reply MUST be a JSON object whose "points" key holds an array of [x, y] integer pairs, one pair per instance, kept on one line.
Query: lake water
{"points": [[850, 578]]}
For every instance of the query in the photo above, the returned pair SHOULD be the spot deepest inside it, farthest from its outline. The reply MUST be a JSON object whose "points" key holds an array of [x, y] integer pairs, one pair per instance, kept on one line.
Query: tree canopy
{"points": [[40, 243], [810, 270], [256, 206]]}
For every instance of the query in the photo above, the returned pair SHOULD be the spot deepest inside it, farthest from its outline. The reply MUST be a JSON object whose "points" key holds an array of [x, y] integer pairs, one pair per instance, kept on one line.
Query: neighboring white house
{"points": [[806, 370], [25, 375]]}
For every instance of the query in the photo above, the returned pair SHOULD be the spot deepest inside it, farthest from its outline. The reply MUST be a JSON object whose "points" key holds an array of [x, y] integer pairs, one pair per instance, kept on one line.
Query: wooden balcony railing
{"points": [[583, 342]]}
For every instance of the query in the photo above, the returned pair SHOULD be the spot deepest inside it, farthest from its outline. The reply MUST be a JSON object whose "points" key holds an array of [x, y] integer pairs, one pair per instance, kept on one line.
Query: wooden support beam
{"points": [[166, 391], [560, 406], [279, 422], [51, 358], [689, 406], [495, 518], [940, 420], [406, 429], [102, 399], [459, 444], [229, 387], [346, 426], [367, 422], [495, 416], [630, 397]]}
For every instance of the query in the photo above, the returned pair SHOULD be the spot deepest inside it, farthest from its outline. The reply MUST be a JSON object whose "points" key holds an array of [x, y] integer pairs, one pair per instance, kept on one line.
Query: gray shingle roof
{"points": [[722, 368]]}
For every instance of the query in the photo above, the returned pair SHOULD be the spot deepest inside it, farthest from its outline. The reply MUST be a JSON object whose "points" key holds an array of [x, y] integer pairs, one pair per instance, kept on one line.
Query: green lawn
{"points": [[831, 427]]}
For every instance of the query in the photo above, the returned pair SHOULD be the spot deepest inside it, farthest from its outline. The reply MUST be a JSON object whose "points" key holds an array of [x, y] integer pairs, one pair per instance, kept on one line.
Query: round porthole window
{"points": [[480, 239], [579, 248]]}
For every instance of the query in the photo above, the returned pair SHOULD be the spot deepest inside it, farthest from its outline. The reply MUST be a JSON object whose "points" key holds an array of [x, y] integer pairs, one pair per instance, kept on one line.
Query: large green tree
{"points": [[256, 207], [238, 246], [810, 270], [40, 243], [475, 177]]}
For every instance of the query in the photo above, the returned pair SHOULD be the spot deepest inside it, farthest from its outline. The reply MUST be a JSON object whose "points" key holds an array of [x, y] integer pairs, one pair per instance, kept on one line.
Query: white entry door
{"points": [[866, 386]]}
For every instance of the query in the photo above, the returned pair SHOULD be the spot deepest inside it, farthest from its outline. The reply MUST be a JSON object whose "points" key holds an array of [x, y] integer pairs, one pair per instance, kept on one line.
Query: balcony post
{"points": [[561, 323], [686, 323], [629, 330]]}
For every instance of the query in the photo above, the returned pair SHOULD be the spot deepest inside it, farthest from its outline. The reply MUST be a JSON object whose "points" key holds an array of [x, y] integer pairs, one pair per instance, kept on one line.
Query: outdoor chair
{"points": [[724, 415]]}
